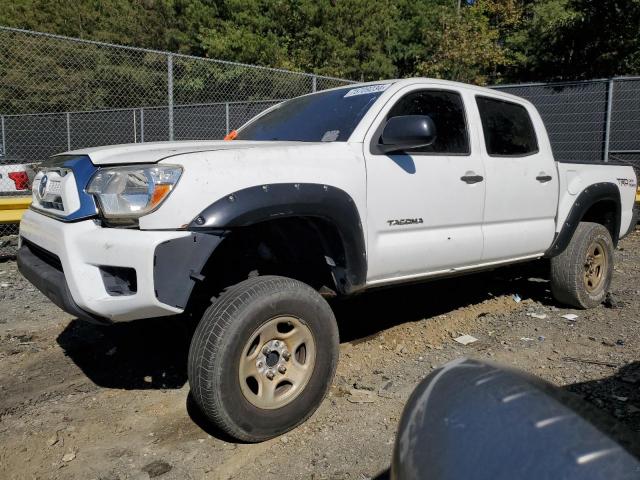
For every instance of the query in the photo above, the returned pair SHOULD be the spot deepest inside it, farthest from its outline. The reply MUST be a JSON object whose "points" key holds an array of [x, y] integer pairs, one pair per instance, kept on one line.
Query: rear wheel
{"points": [[263, 357], [581, 275]]}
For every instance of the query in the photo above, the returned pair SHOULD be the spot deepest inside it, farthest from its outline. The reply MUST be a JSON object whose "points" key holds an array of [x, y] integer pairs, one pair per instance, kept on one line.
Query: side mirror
{"points": [[407, 131]]}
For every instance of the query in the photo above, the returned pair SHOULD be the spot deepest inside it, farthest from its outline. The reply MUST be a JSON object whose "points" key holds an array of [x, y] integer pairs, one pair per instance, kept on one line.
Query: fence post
{"points": [[142, 125], [135, 127], [314, 83], [4, 142], [607, 125], [226, 116], [170, 93], [68, 131]]}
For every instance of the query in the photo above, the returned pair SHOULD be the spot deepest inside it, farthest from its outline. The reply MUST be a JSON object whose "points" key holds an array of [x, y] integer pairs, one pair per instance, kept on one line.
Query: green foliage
{"points": [[466, 47], [485, 41], [578, 39]]}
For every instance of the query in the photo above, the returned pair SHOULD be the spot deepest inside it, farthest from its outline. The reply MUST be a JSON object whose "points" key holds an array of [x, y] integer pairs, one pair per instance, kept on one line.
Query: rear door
{"points": [[424, 206], [521, 180]]}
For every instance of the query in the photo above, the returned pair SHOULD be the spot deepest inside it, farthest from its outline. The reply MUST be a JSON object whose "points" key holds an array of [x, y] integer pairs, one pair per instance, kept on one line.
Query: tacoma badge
{"points": [[404, 221]]}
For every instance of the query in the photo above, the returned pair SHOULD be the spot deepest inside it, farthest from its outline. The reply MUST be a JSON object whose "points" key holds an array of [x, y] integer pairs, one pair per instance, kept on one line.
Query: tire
{"points": [[570, 269], [233, 336]]}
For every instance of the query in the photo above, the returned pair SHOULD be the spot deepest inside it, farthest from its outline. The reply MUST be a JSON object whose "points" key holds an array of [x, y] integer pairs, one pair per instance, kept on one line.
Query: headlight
{"points": [[130, 192]]}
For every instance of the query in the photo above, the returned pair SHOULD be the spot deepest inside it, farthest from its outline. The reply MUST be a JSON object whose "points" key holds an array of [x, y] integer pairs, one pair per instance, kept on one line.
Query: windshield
{"points": [[322, 117]]}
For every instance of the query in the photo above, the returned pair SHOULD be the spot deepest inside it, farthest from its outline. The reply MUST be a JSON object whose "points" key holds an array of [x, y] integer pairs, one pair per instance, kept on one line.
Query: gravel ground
{"points": [[81, 401]]}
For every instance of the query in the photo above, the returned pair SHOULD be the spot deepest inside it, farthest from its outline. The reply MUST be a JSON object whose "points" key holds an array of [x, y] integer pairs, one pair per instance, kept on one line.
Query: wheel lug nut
{"points": [[270, 374], [286, 355], [276, 344], [282, 369], [260, 364], [265, 350]]}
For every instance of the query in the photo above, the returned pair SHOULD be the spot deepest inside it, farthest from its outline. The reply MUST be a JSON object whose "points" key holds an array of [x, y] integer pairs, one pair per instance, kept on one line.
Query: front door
{"points": [[424, 206]]}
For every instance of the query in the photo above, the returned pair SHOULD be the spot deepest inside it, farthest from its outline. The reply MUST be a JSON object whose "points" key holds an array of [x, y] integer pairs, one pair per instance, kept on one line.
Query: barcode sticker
{"points": [[366, 90]]}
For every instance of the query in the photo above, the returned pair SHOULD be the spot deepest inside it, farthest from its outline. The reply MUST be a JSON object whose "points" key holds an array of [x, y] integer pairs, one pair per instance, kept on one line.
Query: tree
{"points": [[578, 39], [465, 47], [483, 41]]}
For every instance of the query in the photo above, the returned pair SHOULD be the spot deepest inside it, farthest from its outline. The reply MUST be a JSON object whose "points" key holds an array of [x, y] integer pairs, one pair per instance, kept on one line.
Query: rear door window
{"points": [[507, 127]]}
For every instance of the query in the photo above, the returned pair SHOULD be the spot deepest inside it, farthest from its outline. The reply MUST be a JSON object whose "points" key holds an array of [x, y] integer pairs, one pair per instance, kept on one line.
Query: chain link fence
{"points": [[59, 94], [595, 120]]}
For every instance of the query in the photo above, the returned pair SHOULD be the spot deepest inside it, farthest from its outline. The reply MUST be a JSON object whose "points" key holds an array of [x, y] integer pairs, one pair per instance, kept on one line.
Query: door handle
{"points": [[471, 179], [544, 178]]}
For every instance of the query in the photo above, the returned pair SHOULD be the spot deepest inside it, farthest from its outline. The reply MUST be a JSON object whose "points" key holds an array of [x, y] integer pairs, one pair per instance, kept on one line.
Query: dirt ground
{"points": [[88, 402]]}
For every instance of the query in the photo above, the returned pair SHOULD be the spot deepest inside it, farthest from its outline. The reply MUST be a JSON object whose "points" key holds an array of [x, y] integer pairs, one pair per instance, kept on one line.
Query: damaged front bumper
{"points": [[108, 275]]}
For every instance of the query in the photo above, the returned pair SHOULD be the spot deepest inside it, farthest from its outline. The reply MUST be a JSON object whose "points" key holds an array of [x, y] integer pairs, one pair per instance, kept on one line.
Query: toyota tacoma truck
{"points": [[328, 194]]}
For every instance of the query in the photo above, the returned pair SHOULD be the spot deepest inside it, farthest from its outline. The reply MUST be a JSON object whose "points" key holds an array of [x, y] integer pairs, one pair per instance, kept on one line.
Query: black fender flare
{"points": [[280, 200], [597, 192]]}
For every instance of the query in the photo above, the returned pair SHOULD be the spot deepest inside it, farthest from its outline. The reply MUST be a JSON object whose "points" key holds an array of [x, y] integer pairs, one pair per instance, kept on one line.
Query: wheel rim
{"points": [[595, 266], [277, 362]]}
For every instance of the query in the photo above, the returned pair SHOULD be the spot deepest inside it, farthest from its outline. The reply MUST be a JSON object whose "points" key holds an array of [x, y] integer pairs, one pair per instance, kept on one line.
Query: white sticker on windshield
{"points": [[330, 136], [365, 90]]}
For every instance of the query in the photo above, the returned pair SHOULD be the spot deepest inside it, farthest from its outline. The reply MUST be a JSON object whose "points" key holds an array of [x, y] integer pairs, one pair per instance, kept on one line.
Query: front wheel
{"points": [[263, 357], [581, 275]]}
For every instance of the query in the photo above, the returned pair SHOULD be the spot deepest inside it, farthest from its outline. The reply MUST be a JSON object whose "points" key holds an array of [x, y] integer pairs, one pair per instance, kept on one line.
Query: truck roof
{"points": [[401, 82], [153, 151]]}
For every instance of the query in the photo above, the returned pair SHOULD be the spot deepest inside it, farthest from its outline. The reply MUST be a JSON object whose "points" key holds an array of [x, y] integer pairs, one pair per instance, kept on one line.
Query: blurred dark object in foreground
{"points": [[474, 420]]}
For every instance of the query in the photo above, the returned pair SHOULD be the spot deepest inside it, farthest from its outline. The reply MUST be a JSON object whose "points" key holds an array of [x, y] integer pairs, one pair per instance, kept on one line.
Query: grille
{"points": [[56, 205]]}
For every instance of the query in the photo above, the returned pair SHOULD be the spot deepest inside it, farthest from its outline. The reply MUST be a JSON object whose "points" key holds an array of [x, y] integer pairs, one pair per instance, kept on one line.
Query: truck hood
{"points": [[153, 152]]}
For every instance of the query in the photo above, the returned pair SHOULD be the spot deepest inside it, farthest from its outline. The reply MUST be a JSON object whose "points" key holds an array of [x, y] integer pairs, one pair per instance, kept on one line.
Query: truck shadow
{"points": [[152, 354], [146, 354], [372, 312]]}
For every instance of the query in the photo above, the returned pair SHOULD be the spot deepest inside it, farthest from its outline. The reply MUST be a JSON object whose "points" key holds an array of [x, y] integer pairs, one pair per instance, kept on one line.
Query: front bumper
{"points": [[45, 273], [68, 261]]}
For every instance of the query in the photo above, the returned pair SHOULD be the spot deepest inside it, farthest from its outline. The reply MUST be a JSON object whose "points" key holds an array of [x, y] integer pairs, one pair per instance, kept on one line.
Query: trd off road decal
{"points": [[404, 221], [627, 182]]}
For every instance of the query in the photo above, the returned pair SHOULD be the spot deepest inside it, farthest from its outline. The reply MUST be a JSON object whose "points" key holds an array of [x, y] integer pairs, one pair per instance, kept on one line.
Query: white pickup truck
{"points": [[326, 194]]}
